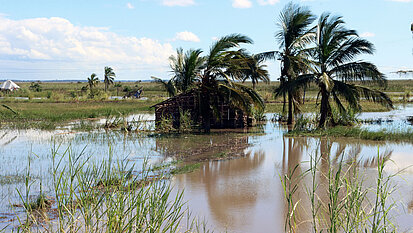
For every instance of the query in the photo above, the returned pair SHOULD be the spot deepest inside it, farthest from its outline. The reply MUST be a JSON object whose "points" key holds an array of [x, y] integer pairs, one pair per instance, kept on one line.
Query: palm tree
{"points": [[334, 69], [93, 80], [109, 77], [294, 35], [220, 65], [254, 69], [186, 68]]}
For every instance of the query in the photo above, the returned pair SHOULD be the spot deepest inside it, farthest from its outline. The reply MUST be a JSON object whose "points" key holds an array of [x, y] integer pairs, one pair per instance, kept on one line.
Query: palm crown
{"points": [[109, 77]]}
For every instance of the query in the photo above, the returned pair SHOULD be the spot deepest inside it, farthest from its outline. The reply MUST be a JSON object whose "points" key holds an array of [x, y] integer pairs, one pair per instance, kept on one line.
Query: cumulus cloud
{"points": [[367, 34], [241, 3], [186, 36], [178, 2], [129, 5], [58, 40], [267, 2]]}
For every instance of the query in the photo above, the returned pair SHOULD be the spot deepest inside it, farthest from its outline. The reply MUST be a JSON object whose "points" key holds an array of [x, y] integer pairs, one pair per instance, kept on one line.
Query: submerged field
{"points": [[232, 179]]}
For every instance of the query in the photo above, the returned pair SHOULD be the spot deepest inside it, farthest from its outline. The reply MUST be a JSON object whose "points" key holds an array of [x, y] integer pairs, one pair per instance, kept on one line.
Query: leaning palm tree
{"points": [[109, 77], [254, 69], [220, 65], [293, 36], [186, 68], [335, 71]]}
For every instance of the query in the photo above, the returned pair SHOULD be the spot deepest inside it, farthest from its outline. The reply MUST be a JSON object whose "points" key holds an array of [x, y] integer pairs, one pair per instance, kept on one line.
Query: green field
{"points": [[61, 102]]}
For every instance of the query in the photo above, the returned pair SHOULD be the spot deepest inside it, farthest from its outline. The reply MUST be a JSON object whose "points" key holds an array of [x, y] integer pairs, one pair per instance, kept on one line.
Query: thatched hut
{"points": [[224, 115]]}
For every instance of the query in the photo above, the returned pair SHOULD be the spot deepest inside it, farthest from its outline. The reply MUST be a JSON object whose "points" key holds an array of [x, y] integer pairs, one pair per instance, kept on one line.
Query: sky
{"points": [[70, 40]]}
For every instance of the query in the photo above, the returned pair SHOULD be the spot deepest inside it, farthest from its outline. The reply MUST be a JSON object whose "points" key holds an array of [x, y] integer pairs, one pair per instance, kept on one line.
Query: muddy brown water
{"points": [[239, 191], [246, 195]]}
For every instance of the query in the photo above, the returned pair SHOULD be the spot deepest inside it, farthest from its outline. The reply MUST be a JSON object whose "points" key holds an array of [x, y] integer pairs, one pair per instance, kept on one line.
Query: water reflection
{"points": [[246, 195], [240, 195]]}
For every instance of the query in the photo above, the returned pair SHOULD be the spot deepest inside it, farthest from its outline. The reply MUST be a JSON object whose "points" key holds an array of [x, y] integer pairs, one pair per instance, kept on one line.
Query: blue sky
{"points": [[56, 39]]}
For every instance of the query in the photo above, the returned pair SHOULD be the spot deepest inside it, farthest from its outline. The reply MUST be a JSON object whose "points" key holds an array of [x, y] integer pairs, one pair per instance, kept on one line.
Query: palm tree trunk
{"points": [[290, 109], [325, 108]]}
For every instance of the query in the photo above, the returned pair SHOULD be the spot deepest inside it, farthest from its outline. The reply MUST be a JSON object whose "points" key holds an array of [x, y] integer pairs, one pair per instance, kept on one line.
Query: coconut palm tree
{"points": [[220, 65], [253, 68], [93, 80], [293, 36], [109, 77], [334, 69], [186, 68]]}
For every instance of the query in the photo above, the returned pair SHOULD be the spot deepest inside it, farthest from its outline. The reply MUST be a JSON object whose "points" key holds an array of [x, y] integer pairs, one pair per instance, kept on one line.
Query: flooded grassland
{"points": [[237, 185]]}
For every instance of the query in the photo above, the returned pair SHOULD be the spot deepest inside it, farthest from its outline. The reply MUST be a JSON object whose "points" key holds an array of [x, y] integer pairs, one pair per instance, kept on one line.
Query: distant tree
{"points": [[109, 77], [118, 86], [93, 80], [35, 86]]}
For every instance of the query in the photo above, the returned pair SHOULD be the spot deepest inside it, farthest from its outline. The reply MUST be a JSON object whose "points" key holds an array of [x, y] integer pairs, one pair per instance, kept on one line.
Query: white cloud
{"points": [[367, 34], [129, 5], [214, 38], [267, 2], [186, 36], [178, 2], [58, 40], [401, 0], [241, 3]]}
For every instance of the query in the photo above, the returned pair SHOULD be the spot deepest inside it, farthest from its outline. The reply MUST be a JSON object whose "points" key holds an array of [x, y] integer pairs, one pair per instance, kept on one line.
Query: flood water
{"points": [[233, 195]]}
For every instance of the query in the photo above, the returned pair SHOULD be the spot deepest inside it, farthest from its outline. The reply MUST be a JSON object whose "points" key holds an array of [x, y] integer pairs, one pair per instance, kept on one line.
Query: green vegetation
{"points": [[335, 50], [33, 114], [187, 168], [355, 132], [339, 198], [109, 77], [104, 197]]}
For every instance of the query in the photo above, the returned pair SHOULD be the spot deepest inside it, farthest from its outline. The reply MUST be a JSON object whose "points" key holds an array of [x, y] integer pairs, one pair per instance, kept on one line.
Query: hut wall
{"points": [[227, 117]]}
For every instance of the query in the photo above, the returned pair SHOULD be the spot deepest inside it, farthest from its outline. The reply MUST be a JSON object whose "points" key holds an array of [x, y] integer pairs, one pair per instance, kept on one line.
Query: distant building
{"points": [[9, 86]]}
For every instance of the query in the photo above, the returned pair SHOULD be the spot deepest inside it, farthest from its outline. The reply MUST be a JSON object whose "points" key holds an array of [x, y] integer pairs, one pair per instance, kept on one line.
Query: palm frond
{"points": [[359, 71], [347, 91], [375, 96], [224, 44], [169, 86]]}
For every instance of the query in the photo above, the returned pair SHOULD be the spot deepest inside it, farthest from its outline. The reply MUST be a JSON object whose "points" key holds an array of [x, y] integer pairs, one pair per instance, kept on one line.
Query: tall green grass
{"points": [[105, 196], [338, 198]]}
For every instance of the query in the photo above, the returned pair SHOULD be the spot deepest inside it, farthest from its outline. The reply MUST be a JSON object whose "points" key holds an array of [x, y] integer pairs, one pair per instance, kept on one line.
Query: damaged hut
{"points": [[224, 114]]}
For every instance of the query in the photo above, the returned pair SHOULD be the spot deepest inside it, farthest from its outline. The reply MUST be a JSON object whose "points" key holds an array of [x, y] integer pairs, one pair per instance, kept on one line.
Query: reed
{"points": [[106, 196], [339, 198]]}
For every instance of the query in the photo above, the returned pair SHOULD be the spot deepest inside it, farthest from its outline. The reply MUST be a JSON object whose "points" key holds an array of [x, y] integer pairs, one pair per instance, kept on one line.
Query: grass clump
{"points": [[338, 198], [187, 168], [355, 132], [106, 196]]}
